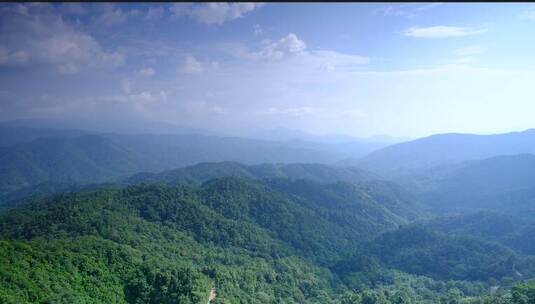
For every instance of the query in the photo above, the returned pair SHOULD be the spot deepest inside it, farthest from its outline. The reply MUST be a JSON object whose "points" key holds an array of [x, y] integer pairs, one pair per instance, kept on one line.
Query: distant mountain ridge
{"points": [[285, 134], [31, 157], [444, 149], [86, 158]]}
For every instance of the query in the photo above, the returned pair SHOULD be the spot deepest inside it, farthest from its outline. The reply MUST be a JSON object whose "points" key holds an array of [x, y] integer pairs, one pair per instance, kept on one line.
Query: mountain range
{"points": [[181, 218], [444, 149]]}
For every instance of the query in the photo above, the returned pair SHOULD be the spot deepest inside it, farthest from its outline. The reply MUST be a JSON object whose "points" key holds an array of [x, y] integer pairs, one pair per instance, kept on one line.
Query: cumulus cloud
{"points": [[291, 47], [286, 46], [441, 31], [213, 13], [45, 38], [191, 65]]}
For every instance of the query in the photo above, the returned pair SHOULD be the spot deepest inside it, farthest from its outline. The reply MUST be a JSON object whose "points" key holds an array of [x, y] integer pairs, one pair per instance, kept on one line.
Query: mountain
{"points": [[285, 134], [444, 149], [419, 250], [205, 171], [154, 243], [274, 240], [69, 157], [102, 124], [511, 231], [346, 182], [344, 145], [177, 150], [502, 183], [86, 158], [10, 136]]}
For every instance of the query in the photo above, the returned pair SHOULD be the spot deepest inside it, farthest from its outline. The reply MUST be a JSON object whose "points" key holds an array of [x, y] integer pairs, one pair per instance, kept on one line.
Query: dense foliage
{"points": [[270, 241], [514, 232]]}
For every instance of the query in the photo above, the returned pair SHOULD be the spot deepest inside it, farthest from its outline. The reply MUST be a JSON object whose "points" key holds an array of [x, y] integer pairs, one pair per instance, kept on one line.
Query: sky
{"points": [[362, 69]]}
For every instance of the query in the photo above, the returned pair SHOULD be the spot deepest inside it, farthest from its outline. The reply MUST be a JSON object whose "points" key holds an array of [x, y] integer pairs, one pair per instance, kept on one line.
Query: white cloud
{"points": [[147, 72], [287, 46], [213, 13], [45, 38], [293, 48], [191, 65], [441, 31]]}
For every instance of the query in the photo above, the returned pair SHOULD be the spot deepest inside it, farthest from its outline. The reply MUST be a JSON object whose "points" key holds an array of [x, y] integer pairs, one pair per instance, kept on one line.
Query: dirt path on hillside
{"points": [[212, 294]]}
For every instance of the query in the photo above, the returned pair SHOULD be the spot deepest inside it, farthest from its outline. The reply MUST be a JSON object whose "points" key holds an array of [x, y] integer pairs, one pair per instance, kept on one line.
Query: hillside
{"points": [[502, 183], [254, 242], [514, 232], [419, 250], [85, 158], [231, 231], [205, 171], [444, 149]]}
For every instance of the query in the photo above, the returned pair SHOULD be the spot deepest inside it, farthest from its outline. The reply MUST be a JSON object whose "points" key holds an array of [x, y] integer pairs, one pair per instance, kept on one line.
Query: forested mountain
{"points": [[419, 250], [206, 171], [84, 225], [268, 241], [502, 183], [512, 231], [32, 156], [85, 158], [247, 238], [444, 149]]}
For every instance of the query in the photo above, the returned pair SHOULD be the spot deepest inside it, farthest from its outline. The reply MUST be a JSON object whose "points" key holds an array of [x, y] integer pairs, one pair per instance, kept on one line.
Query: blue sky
{"points": [[361, 69]]}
